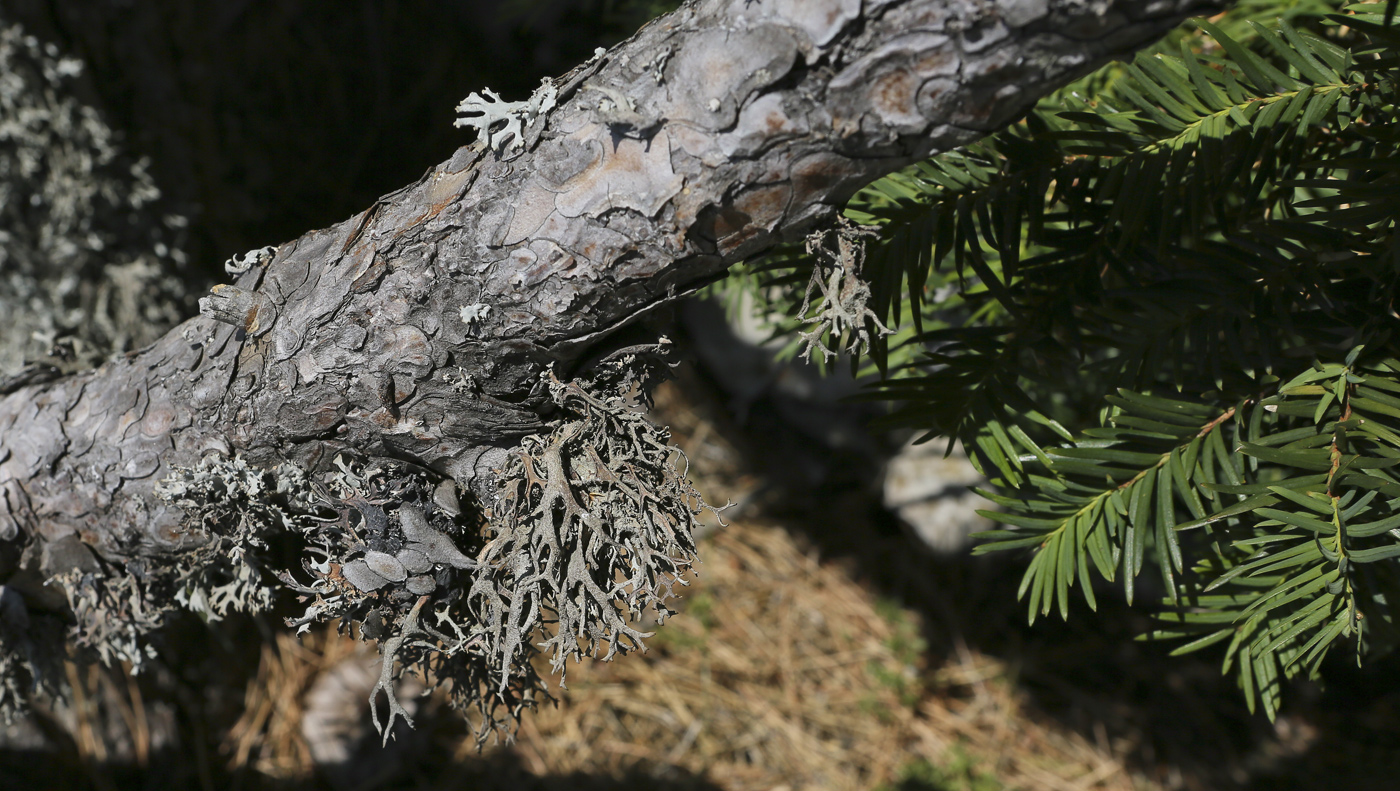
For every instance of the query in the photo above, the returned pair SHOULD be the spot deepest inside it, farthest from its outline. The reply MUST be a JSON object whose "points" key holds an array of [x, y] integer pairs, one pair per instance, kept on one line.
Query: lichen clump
{"points": [[591, 530], [842, 316], [391, 560], [239, 509], [115, 609], [594, 526], [242, 508]]}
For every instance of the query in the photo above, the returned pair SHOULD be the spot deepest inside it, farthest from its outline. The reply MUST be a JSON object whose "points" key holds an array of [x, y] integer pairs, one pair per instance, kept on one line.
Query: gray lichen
{"points": [[239, 264], [511, 120], [593, 527], [390, 557], [591, 530], [242, 507], [114, 615], [842, 317], [84, 252], [116, 609]]}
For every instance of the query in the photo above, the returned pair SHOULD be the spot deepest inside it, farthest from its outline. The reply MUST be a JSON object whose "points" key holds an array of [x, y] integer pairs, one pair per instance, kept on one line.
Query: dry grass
{"points": [[268, 737], [784, 672]]}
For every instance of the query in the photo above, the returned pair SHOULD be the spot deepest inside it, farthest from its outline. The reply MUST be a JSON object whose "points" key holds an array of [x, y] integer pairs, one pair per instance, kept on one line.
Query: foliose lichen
{"points": [[512, 120], [241, 508], [592, 529], [389, 561], [115, 609]]}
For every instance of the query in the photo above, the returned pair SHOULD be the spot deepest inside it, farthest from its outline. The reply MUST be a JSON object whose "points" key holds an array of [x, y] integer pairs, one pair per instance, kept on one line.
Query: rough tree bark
{"points": [[419, 330]]}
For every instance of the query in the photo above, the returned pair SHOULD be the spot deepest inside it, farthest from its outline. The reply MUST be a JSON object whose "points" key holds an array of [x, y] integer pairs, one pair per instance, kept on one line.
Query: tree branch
{"points": [[419, 330]]}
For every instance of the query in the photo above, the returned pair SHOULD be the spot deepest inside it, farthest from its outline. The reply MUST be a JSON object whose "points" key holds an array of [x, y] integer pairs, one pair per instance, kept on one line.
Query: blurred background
{"points": [[838, 635]]}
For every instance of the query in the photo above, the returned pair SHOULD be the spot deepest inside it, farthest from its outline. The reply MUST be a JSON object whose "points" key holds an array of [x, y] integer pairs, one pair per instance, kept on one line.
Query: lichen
{"points": [[87, 253], [593, 526], [592, 529], [392, 555], [114, 615], [241, 508], [239, 264], [842, 315], [511, 119], [473, 313], [238, 510]]}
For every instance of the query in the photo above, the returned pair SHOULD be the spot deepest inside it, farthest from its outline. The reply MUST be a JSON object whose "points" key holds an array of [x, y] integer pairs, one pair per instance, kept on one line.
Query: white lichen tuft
{"points": [[510, 120], [239, 506], [239, 264], [471, 314]]}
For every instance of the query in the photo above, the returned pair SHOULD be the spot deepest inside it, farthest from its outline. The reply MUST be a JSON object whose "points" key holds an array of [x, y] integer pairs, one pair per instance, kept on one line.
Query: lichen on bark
{"points": [[437, 344], [593, 528]]}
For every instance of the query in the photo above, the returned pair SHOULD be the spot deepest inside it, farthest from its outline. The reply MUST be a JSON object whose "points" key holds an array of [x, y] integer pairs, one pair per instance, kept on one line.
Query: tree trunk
{"points": [[420, 330]]}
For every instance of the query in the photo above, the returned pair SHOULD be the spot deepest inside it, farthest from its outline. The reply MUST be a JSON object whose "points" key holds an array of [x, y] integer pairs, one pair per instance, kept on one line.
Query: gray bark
{"points": [[419, 330]]}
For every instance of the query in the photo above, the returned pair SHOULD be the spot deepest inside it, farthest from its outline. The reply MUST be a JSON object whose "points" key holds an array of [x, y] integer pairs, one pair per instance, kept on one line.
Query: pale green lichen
{"points": [[511, 120], [592, 530]]}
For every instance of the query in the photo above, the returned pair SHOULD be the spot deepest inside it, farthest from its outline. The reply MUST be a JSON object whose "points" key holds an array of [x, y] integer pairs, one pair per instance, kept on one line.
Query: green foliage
{"points": [[906, 647], [957, 772], [1287, 503], [1160, 314]]}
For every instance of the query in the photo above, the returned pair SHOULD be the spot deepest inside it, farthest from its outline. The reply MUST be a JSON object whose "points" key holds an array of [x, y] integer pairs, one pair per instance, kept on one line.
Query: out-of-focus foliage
{"points": [[82, 253], [1160, 314]]}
